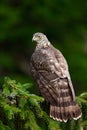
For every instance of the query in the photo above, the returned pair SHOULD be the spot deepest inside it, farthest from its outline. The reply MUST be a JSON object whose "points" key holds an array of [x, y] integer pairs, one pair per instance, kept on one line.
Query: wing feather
{"points": [[64, 69]]}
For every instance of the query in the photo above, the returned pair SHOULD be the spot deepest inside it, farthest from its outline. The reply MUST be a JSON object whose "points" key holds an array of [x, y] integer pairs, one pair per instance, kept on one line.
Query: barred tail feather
{"points": [[61, 113], [66, 106]]}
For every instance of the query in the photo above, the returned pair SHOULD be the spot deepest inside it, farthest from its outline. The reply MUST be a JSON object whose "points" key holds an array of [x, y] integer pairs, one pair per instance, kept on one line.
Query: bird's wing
{"points": [[61, 62]]}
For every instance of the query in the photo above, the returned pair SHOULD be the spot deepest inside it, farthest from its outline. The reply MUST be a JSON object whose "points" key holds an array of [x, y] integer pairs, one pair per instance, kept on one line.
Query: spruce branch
{"points": [[21, 89]]}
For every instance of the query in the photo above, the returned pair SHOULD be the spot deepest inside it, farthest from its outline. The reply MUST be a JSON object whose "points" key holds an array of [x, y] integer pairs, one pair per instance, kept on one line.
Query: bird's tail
{"points": [[63, 112]]}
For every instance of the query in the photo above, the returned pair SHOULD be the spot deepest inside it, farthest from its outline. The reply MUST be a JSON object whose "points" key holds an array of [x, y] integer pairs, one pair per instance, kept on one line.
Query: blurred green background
{"points": [[63, 21]]}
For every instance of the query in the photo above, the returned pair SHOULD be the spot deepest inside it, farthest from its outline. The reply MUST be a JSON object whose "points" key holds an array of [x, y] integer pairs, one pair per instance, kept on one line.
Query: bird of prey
{"points": [[50, 71]]}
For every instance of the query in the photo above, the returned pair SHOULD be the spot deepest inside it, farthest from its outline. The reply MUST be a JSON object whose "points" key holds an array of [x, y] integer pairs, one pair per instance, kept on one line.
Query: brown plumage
{"points": [[50, 71]]}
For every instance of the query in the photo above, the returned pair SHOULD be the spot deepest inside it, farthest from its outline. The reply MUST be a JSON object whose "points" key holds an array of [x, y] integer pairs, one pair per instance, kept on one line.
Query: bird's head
{"points": [[39, 37]]}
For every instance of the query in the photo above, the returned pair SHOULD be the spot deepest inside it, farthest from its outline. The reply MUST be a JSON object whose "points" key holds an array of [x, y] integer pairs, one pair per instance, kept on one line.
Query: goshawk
{"points": [[50, 71]]}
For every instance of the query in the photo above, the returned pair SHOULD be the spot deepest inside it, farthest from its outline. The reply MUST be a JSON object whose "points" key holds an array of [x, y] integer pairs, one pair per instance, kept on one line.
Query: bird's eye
{"points": [[39, 36]]}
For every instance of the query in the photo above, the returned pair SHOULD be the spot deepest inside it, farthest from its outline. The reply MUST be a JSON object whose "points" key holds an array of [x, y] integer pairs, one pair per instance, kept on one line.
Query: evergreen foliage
{"points": [[22, 110], [19, 109]]}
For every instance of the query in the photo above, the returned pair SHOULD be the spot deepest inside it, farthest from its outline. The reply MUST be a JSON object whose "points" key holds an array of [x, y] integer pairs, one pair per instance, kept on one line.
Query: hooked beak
{"points": [[33, 39]]}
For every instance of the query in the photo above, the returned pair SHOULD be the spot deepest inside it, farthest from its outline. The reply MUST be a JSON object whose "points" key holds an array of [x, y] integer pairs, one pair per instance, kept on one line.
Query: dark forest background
{"points": [[65, 24]]}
